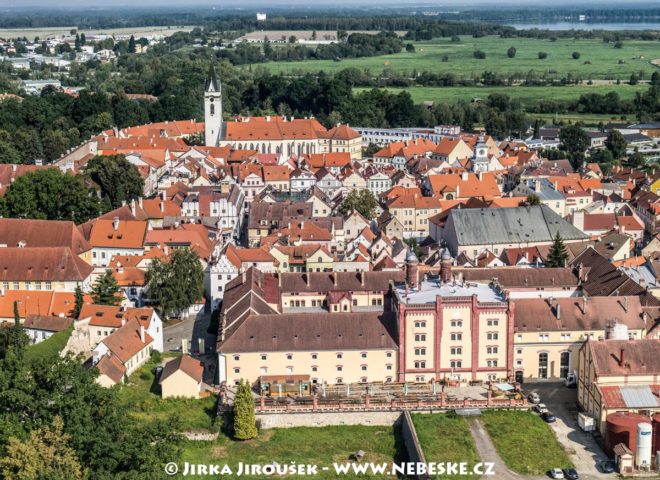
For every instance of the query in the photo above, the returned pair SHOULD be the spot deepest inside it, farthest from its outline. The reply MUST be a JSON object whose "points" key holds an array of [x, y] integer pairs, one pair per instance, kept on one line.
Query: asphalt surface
{"points": [[583, 448]]}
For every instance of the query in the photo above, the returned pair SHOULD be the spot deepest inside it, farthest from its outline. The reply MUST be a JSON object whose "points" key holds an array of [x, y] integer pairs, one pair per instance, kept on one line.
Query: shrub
{"points": [[511, 52], [479, 54], [543, 55], [575, 55]]}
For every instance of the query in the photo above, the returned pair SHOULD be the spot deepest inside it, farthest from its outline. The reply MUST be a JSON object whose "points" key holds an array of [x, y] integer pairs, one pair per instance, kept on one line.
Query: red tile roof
{"points": [[129, 234]]}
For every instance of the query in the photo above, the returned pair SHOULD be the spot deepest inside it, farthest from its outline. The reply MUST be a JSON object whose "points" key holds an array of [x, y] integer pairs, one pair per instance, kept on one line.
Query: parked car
{"points": [[556, 473], [607, 466], [548, 417], [571, 474], [534, 398], [540, 408]]}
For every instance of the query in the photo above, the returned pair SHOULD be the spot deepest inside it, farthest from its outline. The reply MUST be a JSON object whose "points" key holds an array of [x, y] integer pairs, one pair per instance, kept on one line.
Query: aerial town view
{"points": [[399, 240]]}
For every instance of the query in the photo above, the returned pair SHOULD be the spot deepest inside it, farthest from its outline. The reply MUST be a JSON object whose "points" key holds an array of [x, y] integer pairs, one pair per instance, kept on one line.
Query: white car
{"points": [[540, 408], [556, 473], [534, 398]]}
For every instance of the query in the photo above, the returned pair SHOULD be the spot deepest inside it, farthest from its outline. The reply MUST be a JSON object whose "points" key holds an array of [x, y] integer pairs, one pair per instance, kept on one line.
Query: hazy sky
{"points": [[250, 5]]}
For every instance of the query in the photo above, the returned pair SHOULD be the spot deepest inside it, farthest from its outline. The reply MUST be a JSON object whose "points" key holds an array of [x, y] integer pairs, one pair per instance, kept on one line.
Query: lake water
{"points": [[587, 26]]}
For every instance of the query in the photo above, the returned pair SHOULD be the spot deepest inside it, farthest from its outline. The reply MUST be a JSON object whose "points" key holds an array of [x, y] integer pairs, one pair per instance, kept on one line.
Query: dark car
{"points": [[571, 474], [549, 417], [607, 466]]}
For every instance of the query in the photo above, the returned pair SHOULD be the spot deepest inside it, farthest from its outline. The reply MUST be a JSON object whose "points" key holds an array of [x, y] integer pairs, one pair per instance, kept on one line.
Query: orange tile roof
{"points": [[472, 187], [125, 342], [129, 234], [38, 302], [334, 159], [194, 236], [276, 173], [273, 128], [447, 145]]}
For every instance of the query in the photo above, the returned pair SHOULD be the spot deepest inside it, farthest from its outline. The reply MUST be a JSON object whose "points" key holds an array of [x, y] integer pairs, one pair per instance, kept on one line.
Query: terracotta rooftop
{"points": [[42, 264], [188, 365], [48, 323], [112, 367], [625, 357]]}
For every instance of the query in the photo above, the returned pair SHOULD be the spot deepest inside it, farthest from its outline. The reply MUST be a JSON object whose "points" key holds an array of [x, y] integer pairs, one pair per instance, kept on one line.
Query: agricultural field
{"points": [[598, 60], [445, 438], [526, 95]]}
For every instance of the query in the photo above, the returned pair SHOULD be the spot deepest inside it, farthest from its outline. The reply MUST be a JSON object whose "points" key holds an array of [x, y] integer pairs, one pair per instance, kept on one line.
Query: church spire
{"points": [[212, 83]]}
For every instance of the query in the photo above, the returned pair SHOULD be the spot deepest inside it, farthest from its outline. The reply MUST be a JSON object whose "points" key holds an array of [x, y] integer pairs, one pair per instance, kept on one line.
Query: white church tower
{"points": [[212, 108]]}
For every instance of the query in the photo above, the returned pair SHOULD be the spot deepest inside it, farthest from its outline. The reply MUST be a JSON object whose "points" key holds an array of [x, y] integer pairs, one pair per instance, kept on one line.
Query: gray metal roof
{"points": [[639, 396], [483, 226]]}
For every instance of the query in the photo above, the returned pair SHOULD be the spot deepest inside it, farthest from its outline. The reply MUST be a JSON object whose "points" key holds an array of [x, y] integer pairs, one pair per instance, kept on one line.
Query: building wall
{"points": [[373, 365], [180, 385]]}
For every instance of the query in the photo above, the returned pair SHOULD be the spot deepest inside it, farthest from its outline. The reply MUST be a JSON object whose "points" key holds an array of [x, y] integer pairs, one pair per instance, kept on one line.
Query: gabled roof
{"points": [[111, 367], [42, 264], [640, 357], [518, 225], [48, 323], [129, 234], [125, 342], [185, 363], [42, 233]]}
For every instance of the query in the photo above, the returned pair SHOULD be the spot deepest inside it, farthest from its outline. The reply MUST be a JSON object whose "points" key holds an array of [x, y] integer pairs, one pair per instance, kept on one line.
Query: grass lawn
{"points": [[141, 397], [309, 445], [525, 442], [50, 347], [603, 57], [526, 95], [445, 438]]}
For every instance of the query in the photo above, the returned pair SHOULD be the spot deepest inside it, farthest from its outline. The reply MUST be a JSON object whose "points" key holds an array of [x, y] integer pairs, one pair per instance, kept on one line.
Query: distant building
{"points": [[261, 17]]}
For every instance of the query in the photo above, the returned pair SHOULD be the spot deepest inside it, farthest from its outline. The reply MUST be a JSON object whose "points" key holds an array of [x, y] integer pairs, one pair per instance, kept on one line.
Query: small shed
{"points": [[182, 377], [625, 460]]}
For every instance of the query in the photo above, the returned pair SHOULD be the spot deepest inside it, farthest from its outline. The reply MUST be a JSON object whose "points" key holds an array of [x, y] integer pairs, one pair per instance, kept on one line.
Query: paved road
{"points": [[192, 329], [584, 451], [488, 453]]}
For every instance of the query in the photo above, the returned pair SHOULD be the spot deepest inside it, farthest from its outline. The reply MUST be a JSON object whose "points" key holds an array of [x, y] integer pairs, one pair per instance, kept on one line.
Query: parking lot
{"points": [[582, 446]]}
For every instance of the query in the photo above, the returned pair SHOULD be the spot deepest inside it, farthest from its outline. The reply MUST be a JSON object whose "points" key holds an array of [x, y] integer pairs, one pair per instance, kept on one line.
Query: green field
{"points": [[525, 442], [445, 438], [526, 95], [604, 58], [320, 446]]}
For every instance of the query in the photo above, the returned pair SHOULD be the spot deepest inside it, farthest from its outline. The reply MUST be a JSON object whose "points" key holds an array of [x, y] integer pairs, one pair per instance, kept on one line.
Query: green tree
{"points": [[574, 139], [634, 79], [542, 55], [49, 194], [131, 45], [533, 199], [636, 160], [47, 453], [119, 180], [105, 290], [511, 52], [479, 54], [410, 47], [362, 201], [28, 143], [176, 284], [245, 422], [616, 143], [78, 301], [557, 256], [575, 55]]}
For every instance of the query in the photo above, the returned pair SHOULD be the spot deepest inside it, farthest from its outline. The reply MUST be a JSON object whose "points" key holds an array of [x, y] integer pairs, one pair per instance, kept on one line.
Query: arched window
{"points": [[543, 365], [564, 364]]}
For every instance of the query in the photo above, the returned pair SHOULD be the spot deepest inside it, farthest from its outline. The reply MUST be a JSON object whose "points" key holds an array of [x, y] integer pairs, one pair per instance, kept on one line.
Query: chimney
{"points": [[558, 311], [123, 322], [308, 280], [279, 280], [621, 358], [115, 223], [140, 202], [162, 207], [625, 304], [464, 176], [162, 195], [334, 278], [362, 278], [133, 206], [481, 176], [584, 305]]}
